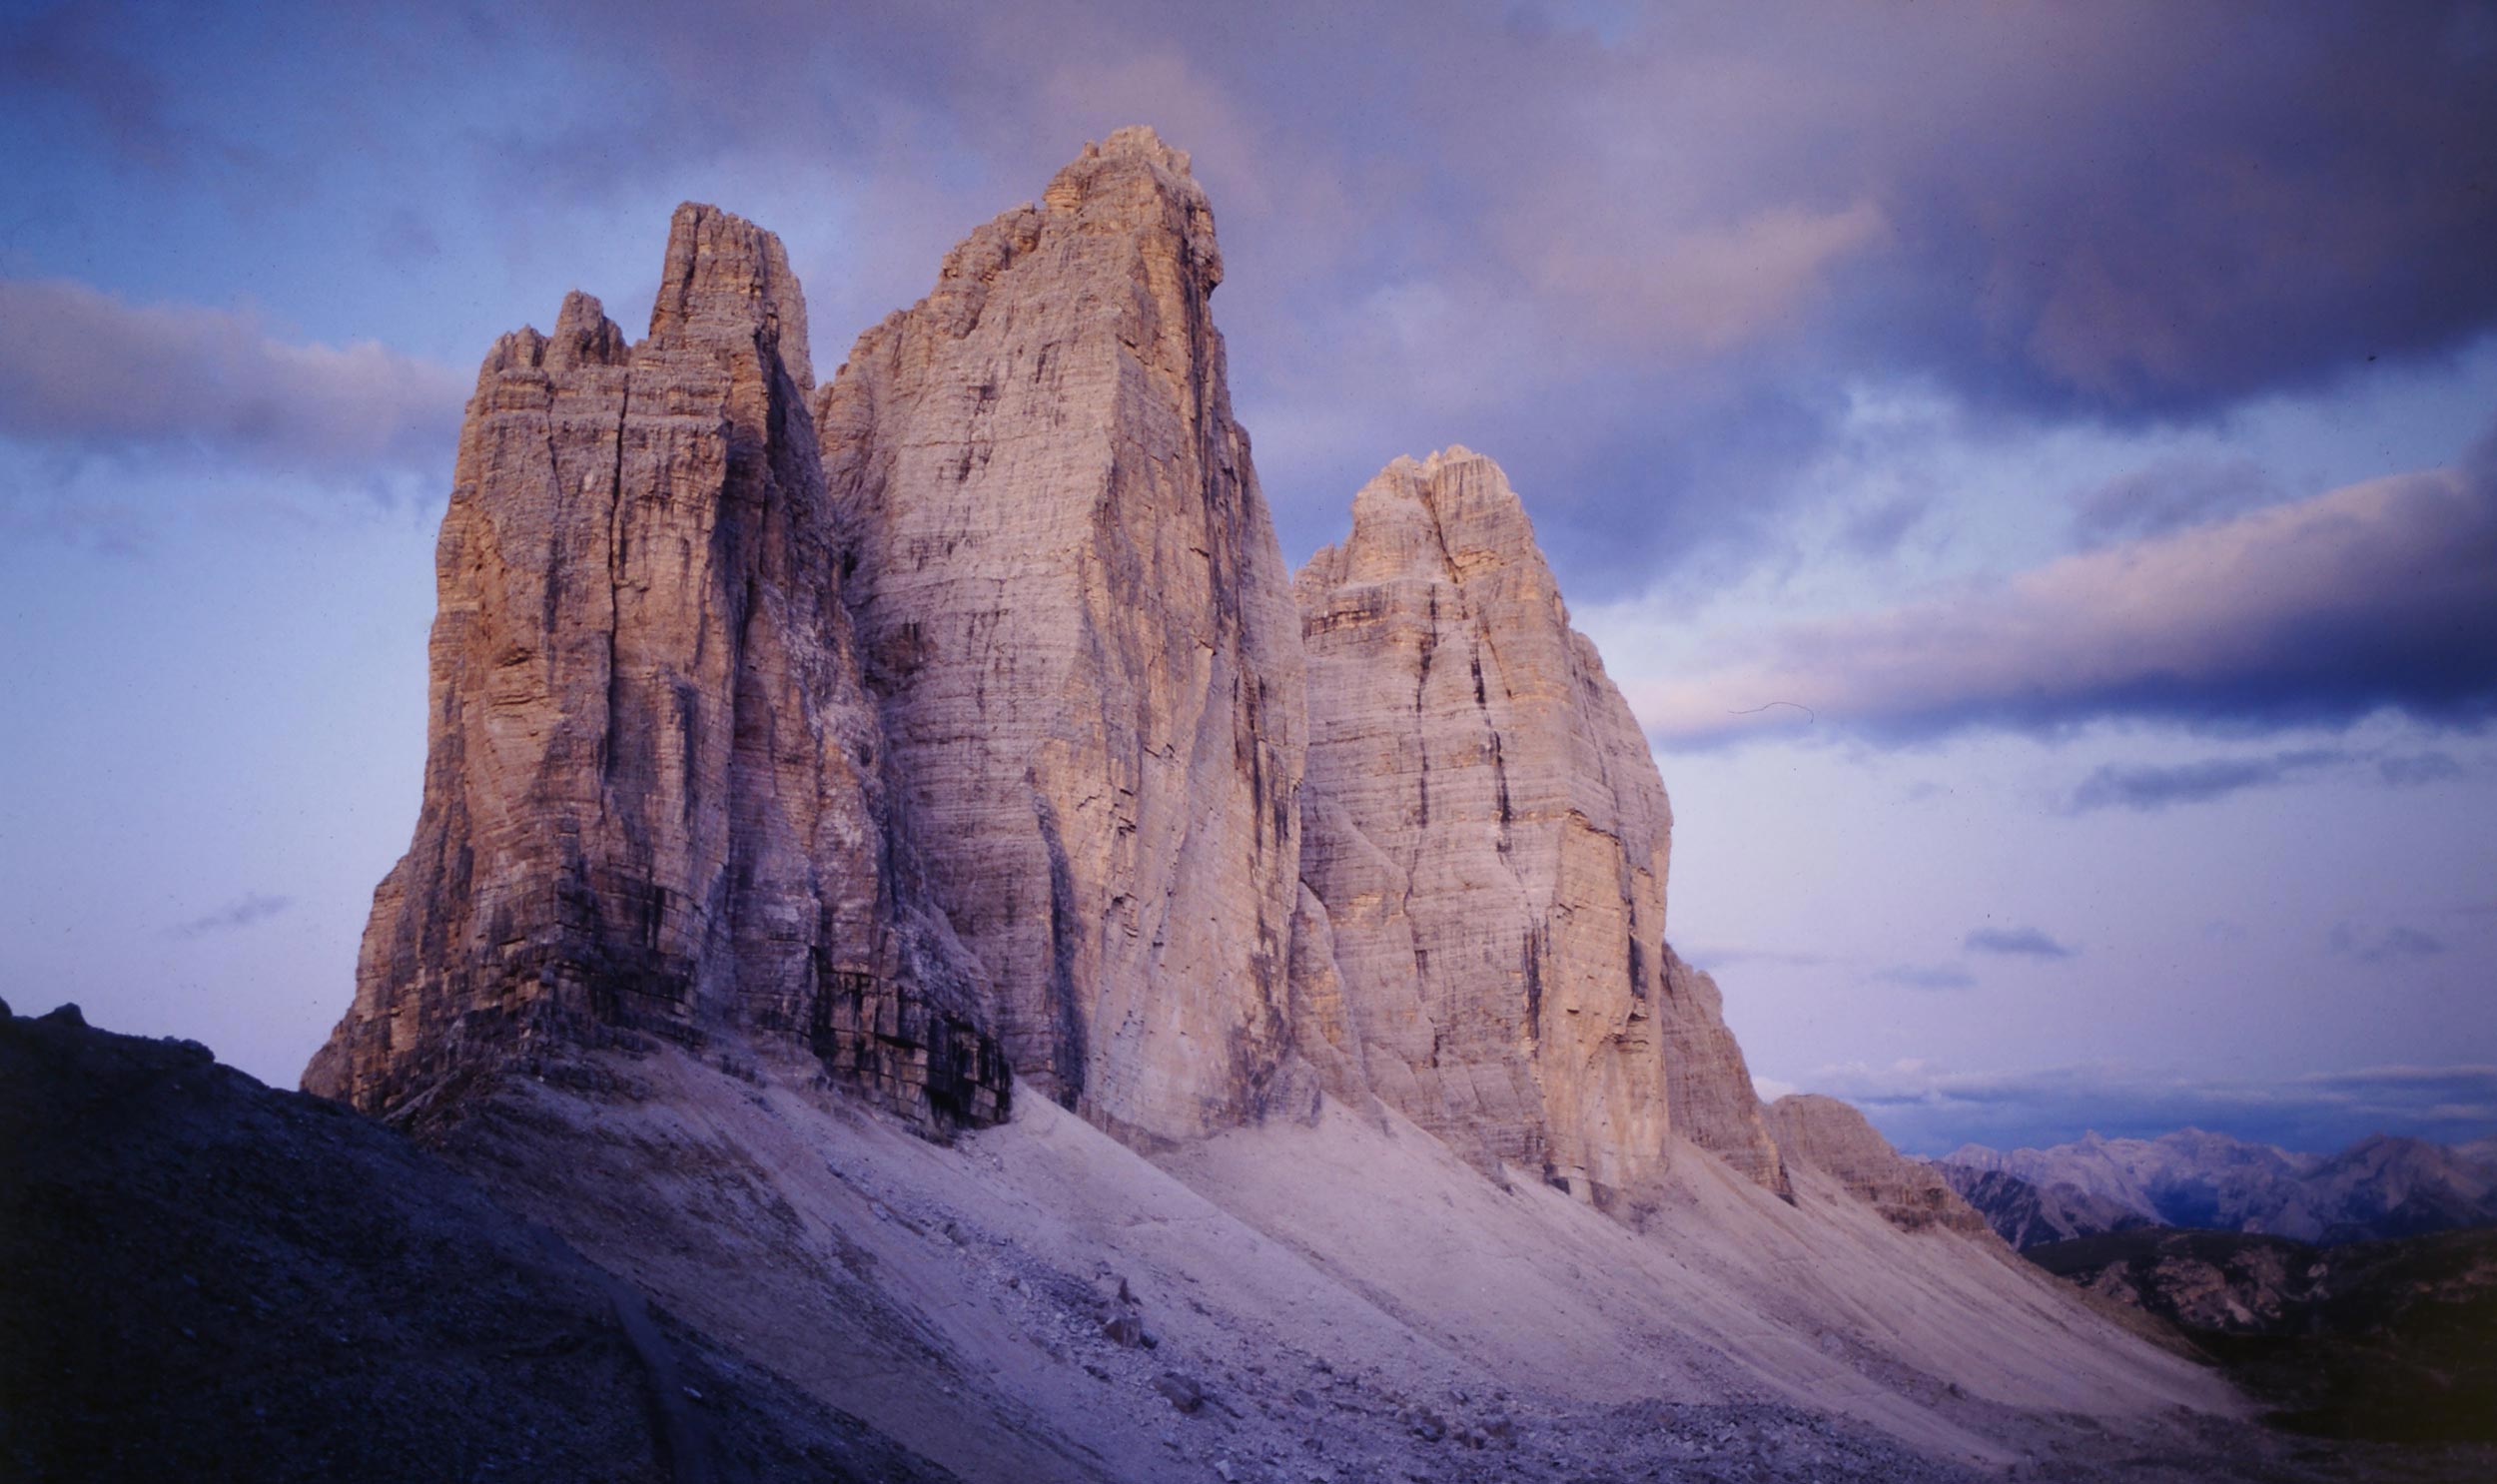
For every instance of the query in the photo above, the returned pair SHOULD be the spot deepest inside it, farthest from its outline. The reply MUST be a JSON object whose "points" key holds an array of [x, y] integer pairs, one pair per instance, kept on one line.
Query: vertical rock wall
{"points": [[653, 791], [1487, 837], [1077, 626]]}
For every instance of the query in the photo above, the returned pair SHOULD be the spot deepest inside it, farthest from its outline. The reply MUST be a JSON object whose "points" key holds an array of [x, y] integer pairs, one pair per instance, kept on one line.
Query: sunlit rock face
{"points": [[1487, 837], [1079, 630], [654, 792]]}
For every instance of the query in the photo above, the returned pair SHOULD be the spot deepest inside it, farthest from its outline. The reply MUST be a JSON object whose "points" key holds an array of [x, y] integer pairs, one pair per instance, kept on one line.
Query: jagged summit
{"points": [[726, 277]]}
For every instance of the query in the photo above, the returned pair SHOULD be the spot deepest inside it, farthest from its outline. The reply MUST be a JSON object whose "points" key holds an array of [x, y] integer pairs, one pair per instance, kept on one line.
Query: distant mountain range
{"points": [[2379, 1188]]}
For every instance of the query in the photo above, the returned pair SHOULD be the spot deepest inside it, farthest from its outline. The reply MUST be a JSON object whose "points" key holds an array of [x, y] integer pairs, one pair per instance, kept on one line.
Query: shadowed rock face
{"points": [[1076, 624], [1833, 1137], [1487, 837], [654, 785], [1707, 1086]]}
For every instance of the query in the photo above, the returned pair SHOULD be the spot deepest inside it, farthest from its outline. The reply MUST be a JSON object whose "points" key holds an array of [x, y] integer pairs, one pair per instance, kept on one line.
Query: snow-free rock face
{"points": [[652, 786], [1487, 836], [1833, 1137], [1708, 1085], [2030, 1215], [1077, 624]]}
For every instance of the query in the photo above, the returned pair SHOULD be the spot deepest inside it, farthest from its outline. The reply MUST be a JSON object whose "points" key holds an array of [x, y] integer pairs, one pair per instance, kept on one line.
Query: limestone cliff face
{"points": [[952, 718], [1486, 836], [653, 786], [1708, 1083], [1077, 624], [1833, 1137]]}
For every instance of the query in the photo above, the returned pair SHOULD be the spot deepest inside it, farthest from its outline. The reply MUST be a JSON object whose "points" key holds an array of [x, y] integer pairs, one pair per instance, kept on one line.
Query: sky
{"points": [[2032, 470]]}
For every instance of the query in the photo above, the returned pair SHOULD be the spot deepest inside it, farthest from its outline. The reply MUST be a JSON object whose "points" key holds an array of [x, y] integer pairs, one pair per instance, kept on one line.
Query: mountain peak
{"points": [[727, 280]]}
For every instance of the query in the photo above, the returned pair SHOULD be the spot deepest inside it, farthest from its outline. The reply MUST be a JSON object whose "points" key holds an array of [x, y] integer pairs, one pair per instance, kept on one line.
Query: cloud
{"points": [[1929, 1110], [2150, 788], [68, 51], [1927, 976], [1688, 229], [243, 911], [2022, 943], [2395, 945], [85, 372], [2378, 595], [1714, 958], [2168, 496], [2418, 768]]}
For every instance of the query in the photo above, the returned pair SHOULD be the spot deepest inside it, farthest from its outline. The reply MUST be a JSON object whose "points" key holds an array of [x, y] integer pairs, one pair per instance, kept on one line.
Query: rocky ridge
{"points": [[2029, 1216], [1833, 1137], [2379, 1188]]}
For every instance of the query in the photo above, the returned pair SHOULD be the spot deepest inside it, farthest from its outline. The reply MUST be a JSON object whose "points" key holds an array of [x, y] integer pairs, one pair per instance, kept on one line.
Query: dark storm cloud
{"points": [[2019, 943], [252, 907], [83, 370], [2380, 594], [1927, 1111]]}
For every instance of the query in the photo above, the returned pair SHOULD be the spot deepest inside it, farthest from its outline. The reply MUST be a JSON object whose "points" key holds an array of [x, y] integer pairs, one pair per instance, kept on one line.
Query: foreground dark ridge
{"points": [[209, 1279]]}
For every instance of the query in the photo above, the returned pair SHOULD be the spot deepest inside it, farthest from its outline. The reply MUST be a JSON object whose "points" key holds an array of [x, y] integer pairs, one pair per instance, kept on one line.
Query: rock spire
{"points": [[1079, 630], [1487, 837], [653, 791]]}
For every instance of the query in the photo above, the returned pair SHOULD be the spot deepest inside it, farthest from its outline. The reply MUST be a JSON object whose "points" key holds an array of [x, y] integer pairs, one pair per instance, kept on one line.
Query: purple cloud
{"points": [[81, 369], [2169, 496], [2152, 786], [1692, 229], [2380, 594], [243, 911], [2019, 943]]}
